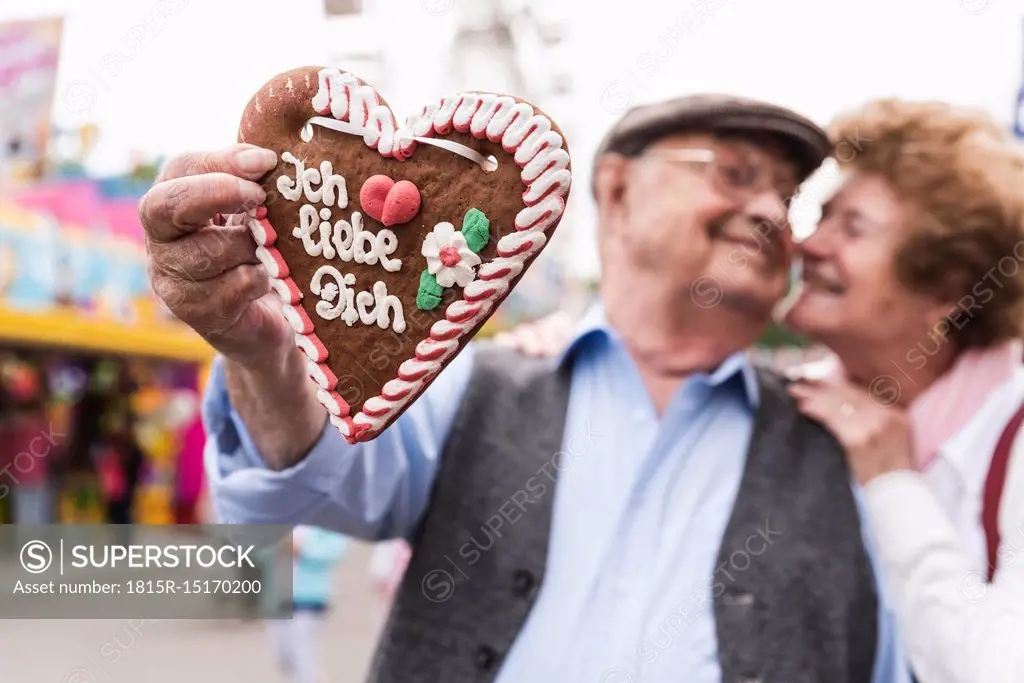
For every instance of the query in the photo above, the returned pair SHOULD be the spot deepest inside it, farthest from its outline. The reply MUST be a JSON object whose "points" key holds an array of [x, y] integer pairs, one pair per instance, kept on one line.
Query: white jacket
{"points": [[928, 533]]}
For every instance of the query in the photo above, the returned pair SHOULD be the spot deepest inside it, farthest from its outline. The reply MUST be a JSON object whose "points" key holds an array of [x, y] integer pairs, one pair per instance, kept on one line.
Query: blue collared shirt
{"points": [[642, 505]]}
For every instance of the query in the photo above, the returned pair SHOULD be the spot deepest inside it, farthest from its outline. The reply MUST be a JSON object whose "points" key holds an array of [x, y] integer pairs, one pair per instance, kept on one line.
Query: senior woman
{"points": [[914, 279]]}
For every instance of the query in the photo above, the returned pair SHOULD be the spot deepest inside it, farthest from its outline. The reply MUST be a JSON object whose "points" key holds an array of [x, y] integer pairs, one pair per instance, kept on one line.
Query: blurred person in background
{"points": [[27, 446], [316, 553], [703, 526], [388, 563], [82, 477], [913, 278], [120, 464], [188, 489]]}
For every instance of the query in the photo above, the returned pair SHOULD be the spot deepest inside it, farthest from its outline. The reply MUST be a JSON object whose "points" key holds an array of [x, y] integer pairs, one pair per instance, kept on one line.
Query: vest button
{"points": [[522, 583], [738, 599], [485, 658]]}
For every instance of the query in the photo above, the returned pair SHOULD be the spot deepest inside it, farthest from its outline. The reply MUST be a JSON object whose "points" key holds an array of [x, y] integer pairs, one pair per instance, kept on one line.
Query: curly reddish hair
{"points": [[962, 178]]}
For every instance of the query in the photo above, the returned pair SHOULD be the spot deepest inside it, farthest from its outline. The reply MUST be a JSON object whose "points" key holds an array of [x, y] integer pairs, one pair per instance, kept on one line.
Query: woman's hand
{"points": [[876, 438], [541, 338]]}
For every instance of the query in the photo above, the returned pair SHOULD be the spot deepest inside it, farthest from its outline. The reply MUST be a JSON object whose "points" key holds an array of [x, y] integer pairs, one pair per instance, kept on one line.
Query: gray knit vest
{"points": [[803, 610]]}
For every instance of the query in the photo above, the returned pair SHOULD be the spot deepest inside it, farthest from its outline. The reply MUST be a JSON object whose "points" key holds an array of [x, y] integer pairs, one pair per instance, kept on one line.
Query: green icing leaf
{"points": [[429, 295], [476, 228]]}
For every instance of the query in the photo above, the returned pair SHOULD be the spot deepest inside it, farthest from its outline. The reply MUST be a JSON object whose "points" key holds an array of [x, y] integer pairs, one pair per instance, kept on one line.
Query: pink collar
{"points": [[951, 401], [946, 407]]}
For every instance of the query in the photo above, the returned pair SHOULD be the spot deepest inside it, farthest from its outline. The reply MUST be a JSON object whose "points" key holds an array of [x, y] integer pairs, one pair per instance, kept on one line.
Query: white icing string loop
{"points": [[488, 163]]}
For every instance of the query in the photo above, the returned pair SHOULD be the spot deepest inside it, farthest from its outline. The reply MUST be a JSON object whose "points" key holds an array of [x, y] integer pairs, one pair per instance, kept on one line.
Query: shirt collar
{"points": [[594, 326], [738, 364]]}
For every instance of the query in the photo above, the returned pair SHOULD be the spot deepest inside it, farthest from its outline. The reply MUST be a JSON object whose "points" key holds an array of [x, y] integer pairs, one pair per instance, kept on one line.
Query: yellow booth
{"points": [[68, 288]]}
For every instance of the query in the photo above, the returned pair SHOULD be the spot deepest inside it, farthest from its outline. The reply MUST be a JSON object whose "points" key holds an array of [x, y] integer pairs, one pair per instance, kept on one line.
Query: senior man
{"points": [[647, 506]]}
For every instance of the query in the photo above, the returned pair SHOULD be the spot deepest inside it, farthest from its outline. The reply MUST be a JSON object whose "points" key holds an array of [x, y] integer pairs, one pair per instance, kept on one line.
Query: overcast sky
{"points": [[815, 55]]}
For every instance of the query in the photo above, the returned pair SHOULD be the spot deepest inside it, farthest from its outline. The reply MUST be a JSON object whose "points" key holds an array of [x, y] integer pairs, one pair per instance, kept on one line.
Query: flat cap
{"points": [[805, 141]]}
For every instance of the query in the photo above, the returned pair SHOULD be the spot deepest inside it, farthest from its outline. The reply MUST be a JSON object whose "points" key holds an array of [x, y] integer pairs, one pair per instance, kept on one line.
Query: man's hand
{"points": [[202, 260], [203, 265]]}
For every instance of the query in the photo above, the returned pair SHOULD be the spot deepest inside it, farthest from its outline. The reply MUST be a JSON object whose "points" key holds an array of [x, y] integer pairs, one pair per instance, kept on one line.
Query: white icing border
{"points": [[536, 148]]}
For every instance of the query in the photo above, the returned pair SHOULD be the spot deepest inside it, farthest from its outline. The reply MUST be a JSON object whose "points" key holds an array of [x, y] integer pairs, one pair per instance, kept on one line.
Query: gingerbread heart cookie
{"points": [[391, 244]]}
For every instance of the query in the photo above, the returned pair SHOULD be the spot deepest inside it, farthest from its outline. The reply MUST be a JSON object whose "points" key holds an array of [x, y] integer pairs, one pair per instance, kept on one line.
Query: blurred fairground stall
{"points": [[99, 416]]}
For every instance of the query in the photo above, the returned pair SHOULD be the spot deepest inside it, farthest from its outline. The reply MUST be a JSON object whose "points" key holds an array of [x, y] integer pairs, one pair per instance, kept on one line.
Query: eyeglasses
{"points": [[733, 172]]}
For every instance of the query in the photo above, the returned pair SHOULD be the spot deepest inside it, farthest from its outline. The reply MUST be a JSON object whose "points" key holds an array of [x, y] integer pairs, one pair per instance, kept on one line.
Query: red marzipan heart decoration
{"points": [[384, 289], [389, 202]]}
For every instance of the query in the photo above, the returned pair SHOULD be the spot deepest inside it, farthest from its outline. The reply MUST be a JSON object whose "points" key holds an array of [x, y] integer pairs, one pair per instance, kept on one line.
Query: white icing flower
{"points": [[449, 259], [329, 291]]}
